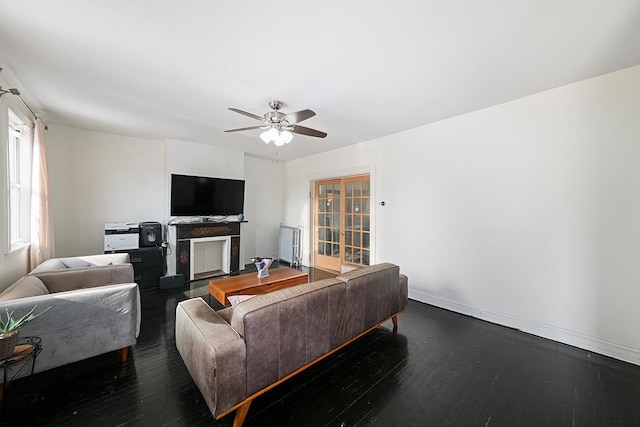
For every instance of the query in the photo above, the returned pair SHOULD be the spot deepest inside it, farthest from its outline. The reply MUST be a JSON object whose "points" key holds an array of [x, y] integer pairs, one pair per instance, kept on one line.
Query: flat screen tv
{"points": [[204, 196]]}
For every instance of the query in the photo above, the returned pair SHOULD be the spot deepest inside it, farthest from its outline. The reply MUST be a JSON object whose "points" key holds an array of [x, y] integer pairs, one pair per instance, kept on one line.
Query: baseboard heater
{"points": [[289, 247]]}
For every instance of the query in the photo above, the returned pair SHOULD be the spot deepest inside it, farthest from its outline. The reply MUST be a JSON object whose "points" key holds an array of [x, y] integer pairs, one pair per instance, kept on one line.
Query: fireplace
{"points": [[203, 249], [210, 256]]}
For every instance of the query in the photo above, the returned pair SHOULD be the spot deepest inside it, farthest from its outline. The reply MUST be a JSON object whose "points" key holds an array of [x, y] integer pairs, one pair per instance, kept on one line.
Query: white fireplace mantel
{"points": [[209, 254]]}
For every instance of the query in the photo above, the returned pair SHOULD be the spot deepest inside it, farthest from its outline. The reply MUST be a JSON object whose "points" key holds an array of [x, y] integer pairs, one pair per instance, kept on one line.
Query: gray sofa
{"points": [[95, 307], [238, 353]]}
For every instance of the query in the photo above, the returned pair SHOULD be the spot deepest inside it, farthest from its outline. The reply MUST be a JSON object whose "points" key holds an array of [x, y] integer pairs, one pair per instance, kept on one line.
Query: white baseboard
{"points": [[572, 338]]}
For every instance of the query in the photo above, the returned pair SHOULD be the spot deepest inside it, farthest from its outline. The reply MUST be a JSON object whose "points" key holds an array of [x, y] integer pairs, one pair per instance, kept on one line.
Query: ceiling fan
{"points": [[278, 125]]}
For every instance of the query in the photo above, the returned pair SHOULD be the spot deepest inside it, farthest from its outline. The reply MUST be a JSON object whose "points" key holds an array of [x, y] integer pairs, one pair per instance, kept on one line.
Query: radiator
{"points": [[289, 248]]}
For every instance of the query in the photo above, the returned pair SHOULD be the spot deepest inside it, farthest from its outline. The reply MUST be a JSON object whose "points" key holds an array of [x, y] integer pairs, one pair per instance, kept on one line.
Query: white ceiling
{"points": [[170, 69]]}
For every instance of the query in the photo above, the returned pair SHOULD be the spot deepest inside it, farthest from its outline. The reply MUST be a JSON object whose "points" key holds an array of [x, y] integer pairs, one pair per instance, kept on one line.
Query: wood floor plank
{"points": [[440, 368]]}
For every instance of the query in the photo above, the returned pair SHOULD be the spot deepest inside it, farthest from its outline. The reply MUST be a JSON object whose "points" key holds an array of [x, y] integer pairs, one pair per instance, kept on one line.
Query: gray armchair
{"points": [[94, 308]]}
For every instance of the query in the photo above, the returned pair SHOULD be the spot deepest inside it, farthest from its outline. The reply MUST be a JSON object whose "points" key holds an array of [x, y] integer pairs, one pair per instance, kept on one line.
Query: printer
{"points": [[121, 236]]}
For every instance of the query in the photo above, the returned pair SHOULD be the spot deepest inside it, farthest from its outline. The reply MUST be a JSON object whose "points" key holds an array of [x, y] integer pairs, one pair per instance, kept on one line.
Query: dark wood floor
{"points": [[439, 369]]}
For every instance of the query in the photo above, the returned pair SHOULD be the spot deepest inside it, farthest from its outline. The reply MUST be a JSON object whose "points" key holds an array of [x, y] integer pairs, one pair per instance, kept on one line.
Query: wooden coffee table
{"points": [[249, 284]]}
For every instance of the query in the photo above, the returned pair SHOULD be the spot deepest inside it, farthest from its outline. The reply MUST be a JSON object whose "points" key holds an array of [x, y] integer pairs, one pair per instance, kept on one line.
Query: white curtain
{"points": [[42, 247]]}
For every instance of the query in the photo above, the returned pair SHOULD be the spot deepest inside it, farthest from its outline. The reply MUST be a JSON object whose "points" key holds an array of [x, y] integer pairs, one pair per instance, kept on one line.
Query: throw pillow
{"points": [[75, 263], [26, 286]]}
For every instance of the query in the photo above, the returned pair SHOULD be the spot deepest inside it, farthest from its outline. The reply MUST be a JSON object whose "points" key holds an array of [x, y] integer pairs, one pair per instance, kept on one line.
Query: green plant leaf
{"points": [[12, 324]]}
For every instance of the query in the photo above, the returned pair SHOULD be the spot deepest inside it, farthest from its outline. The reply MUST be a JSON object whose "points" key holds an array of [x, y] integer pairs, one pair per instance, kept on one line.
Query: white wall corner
{"points": [[562, 336]]}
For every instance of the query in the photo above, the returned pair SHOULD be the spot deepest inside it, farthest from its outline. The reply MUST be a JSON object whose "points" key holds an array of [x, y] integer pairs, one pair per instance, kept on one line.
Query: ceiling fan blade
{"points": [[244, 113], [249, 128], [299, 116], [307, 131]]}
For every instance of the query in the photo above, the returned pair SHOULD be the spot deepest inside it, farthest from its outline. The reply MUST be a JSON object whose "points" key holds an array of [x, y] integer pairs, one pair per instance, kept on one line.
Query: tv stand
{"points": [[203, 249]]}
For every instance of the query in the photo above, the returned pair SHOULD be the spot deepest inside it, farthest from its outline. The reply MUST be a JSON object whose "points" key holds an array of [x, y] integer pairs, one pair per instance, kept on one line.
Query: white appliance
{"points": [[121, 236]]}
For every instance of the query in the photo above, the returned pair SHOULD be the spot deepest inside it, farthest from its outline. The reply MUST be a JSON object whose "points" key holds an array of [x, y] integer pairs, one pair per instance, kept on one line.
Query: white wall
{"points": [[524, 214], [98, 178], [265, 188], [12, 267], [203, 160]]}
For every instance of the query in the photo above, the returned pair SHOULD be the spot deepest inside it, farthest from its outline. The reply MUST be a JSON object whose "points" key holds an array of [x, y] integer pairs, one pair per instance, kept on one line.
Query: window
{"points": [[19, 177]]}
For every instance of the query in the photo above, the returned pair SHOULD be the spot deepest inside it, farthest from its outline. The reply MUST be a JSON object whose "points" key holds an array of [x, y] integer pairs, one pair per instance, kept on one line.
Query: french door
{"points": [[342, 229]]}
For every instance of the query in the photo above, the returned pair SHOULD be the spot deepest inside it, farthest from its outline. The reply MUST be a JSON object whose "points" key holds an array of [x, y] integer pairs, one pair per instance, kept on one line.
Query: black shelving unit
{"points": [[148, 265]]}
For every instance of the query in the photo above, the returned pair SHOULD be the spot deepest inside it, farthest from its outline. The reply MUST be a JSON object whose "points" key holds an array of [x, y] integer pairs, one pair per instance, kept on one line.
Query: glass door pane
{"points": [[357, 229], [327, 228], [342, 232]]}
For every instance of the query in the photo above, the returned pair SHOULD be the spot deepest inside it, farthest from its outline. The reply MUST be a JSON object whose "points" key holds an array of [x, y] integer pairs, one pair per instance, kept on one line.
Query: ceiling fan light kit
{"points": [[278, 126], [279, 138]]}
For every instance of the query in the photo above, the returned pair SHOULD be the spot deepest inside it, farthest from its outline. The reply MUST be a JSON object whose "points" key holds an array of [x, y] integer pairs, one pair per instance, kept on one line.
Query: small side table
{"points": [[27, 350]]}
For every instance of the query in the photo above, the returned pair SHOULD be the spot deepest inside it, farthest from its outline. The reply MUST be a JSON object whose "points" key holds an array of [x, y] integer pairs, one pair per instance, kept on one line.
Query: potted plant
{"points": [[10, 329]]}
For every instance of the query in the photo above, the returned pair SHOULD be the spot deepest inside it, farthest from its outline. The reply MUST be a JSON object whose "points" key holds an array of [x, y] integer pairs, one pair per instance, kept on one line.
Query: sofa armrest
{"points": [[85, 277], [82, 323], [214, 353]]}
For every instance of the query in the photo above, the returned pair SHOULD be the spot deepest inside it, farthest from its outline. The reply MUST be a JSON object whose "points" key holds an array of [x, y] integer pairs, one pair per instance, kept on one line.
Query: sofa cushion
{"points": [[106, 259], [226, 314], [372, 295], [76, 263], [288, 328], [81, 278], [49, 265], [27, 286]]}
